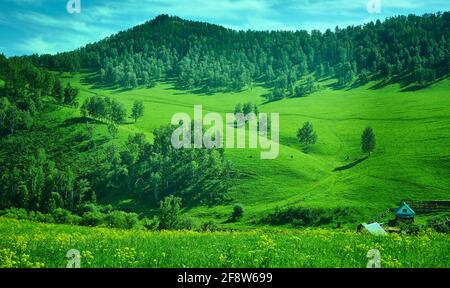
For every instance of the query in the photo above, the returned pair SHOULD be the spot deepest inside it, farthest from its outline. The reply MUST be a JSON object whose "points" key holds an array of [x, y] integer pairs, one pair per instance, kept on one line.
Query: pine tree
{"points": [[368, 140], [306, 136]]}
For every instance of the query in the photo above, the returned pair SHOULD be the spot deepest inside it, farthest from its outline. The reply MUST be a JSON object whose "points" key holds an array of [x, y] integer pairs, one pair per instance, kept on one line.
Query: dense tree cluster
{"points": [[246, 109], [40, 186], [154, 171], [199, 55], [21, 95], [104, 108], [149, 172]]}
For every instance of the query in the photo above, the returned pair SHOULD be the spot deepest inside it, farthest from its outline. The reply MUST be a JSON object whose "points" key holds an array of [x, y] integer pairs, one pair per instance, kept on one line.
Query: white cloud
{"points": [[37, 44], [62, 23]]}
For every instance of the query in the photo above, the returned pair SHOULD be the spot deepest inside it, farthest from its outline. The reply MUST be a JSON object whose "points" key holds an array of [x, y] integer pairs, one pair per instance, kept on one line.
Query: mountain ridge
{"points": [[403, 49]]}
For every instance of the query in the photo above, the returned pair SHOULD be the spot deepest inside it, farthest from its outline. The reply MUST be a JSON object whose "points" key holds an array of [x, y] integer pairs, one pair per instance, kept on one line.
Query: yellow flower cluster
{"points": [[9, 259], [87, 257], [266, 244], [127, 257], [390, 262]]}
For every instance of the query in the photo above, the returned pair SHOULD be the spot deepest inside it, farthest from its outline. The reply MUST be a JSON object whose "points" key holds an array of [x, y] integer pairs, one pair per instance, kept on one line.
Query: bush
{"points": [[39, 217], [238, 211], [61, 216], [92, 219], [439, 224], [106, 209], [151, 224], [411, 229], [121, 220], [185, 223], [307, 217], [15, 213], [169, 213], [208, 226], [89, 208]]}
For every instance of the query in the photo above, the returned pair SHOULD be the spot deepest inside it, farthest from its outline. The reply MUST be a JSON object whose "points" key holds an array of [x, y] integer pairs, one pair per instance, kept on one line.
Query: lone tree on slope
{"points": [[368, 140], [306, 136], [138, 110]]}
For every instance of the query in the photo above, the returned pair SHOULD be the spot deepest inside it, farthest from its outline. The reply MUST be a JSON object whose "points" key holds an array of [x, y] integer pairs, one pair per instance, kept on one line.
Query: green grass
{"points": [[21, 246], [410, 160]]}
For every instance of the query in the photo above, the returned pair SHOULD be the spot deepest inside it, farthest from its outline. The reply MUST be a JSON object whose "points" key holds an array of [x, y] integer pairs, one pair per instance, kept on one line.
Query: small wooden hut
{"points": [[404, 214]]}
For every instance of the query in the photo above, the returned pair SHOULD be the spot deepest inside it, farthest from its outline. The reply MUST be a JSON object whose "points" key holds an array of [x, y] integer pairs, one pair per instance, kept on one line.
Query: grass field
{"points": [[21, 246], [410, 160]]}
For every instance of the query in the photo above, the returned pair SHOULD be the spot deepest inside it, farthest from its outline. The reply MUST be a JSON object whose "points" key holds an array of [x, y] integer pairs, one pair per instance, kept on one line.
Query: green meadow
{"points": [[21, 246], [410, 160]]}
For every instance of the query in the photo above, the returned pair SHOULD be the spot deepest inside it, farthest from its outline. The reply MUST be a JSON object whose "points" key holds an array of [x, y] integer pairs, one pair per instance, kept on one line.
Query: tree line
{"points": [[146, 171], [407, 49]]}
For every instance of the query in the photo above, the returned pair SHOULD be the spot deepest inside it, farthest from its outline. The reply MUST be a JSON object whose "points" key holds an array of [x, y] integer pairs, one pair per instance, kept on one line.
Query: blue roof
{"points": [[404, 211], [374, 228]]}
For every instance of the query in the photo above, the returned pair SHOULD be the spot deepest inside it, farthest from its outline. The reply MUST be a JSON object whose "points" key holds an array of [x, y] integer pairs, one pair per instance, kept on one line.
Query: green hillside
{"points": [[70, 149], [409, 162]]}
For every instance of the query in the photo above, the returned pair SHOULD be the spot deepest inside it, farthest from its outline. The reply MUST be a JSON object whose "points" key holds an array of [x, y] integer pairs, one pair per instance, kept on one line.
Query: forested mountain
{"points": [[406, 49]]}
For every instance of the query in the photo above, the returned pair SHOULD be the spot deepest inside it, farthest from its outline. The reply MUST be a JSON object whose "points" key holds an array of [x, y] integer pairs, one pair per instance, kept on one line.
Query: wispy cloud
{"points": [[25, 2], [38, 44], [38, 26], [60, 23]]}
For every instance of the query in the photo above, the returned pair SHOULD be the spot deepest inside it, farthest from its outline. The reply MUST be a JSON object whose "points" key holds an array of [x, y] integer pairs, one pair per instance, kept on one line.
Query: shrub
{"points": [[307, 217], [439, 224], [121, 220], [185, 223], [39, 217], [89, 208], [169, 213], [116, 219], [106, 209], [15, 213], [411, 229], [208, 226], [92, 219], [151, 223], [238, 211], [61, 216]]}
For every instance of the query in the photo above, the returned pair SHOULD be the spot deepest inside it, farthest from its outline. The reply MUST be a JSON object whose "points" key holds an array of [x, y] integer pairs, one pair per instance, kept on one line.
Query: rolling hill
{"points": [[409, 161], [387, 81]]}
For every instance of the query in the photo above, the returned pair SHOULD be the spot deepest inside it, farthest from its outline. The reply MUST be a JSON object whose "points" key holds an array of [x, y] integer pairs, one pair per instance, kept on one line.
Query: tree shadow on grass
{"points": [[351, 165], [78, 121]]}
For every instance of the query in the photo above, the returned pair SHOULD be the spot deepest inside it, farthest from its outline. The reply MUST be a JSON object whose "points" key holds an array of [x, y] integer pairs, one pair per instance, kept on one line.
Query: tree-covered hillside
{"points": [[47, 164], [404, 49], [75, 143]]}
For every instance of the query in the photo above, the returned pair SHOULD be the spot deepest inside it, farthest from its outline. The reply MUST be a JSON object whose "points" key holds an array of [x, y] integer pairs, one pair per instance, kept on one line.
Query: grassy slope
{"points": [[410, 161]]}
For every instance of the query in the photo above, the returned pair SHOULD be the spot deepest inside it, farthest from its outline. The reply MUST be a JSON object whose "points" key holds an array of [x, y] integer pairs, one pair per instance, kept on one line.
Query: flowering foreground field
{"points": [[25, 244]]}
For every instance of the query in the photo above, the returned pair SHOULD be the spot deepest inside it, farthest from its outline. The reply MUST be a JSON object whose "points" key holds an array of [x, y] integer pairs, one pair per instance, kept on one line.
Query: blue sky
{"points": [[44, 26]]}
